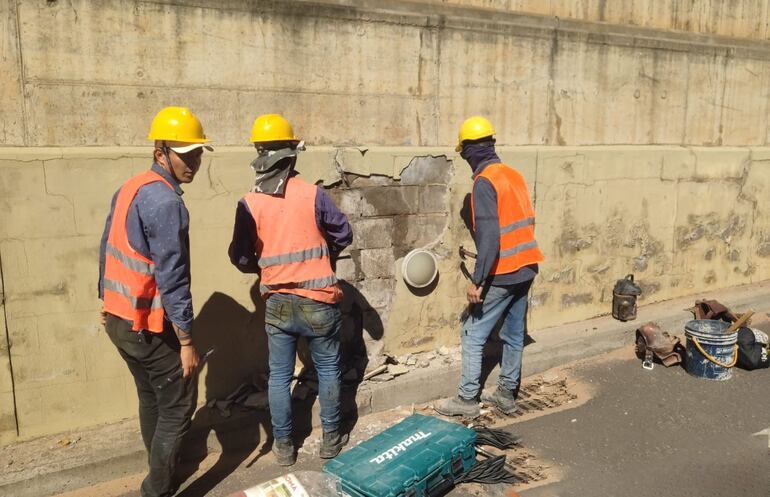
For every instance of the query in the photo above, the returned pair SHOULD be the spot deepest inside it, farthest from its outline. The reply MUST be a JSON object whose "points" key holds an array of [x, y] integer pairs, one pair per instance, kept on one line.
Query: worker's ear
{"points": [[159, 157]]}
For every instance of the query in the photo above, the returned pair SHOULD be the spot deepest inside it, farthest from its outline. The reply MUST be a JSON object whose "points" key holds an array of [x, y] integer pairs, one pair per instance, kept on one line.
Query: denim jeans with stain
{"points": [[165, 407], [287, 318], [506, 304]]}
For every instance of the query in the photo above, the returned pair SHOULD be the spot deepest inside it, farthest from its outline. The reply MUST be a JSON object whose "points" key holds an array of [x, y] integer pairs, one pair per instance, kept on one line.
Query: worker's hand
{"points": [[190, 360], [103, 317], [474, 293]]}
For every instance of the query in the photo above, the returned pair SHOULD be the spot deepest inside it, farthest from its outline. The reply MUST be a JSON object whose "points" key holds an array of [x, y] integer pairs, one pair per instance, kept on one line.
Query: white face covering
{"points": [[273, 169]]}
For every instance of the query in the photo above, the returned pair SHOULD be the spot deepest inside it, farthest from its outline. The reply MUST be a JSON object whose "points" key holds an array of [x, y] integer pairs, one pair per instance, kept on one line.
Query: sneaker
{"points": [[332, 444], [502, 399], [283, 450], [457, 406]]}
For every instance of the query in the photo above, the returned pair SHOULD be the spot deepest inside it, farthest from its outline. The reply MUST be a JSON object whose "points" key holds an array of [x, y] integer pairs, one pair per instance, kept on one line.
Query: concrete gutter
{"points": [[115, 451]]}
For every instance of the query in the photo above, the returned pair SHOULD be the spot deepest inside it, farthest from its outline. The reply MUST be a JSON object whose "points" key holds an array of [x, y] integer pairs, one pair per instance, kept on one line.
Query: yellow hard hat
{"points": [[271, 128], [474, 128], [177, 124]]}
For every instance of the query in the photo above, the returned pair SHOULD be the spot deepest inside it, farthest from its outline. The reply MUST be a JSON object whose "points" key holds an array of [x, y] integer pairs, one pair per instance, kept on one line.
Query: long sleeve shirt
{"points": [[158, 228], [487, 234], [331, 222]]}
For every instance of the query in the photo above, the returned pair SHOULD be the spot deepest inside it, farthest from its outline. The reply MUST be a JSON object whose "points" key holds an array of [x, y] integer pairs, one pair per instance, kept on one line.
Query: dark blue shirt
{"points": [[331, 222], [158, 228], [487, 224]]}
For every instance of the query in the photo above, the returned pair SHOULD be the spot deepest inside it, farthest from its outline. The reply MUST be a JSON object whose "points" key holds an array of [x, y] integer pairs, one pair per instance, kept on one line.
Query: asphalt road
{"points": [[661, 432]]}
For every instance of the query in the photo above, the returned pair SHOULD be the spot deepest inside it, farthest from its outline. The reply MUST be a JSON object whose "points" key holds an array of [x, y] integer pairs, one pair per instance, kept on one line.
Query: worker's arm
{"points": [[487, 231], [242, 249], [333, 223], [166, 226]]}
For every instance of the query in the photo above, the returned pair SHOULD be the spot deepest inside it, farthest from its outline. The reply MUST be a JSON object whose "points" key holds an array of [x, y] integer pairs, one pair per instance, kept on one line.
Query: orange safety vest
{"points": [[293, 253], [518, 247], [130, 290]]}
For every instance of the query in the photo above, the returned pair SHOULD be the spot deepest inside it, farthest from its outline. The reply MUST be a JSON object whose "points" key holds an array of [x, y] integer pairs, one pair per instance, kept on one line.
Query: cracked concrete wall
{"points": [[365, 73], [736, 18], [683, 220], [7, 407]]}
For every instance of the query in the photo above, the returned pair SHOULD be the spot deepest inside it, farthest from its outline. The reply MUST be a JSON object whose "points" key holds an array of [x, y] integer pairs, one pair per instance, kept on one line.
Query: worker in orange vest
{"points": [[144, 280], [507, 262], [290, 233]]}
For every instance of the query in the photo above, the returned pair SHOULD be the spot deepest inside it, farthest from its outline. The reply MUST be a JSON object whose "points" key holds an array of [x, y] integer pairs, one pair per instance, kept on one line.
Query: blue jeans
{"points": [[506, 303], [288, 317]]}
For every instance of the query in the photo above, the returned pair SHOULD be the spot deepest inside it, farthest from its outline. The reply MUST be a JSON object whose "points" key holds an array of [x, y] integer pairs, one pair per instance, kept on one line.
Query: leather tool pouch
{"points": [[654, 344]]}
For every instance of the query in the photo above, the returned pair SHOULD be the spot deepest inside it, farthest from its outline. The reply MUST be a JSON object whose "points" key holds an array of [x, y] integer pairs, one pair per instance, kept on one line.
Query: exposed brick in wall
{"points": [[390, 217]]}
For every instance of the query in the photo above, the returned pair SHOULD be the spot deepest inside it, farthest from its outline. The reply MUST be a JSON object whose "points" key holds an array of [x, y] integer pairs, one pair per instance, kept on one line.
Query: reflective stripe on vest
{"points": [[518, 247], [130, 289], [293, 253], [530, 221], [133, 264], [302, 255], [136, 302]]}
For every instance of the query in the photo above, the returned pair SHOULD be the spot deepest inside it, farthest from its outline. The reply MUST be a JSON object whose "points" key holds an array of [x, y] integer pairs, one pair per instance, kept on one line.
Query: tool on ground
{"points": [[179, 372], [653, 343], [624, 296], [740, 321], [420, 456]]}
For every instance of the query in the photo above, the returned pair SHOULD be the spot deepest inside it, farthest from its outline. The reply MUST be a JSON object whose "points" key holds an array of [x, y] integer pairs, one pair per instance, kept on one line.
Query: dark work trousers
{"points": [[164, 413]]}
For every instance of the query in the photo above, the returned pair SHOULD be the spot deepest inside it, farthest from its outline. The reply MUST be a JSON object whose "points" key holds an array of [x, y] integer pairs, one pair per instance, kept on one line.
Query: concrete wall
{"points": [[378, 90], [681, 219], [390, 73], [736, 18]]}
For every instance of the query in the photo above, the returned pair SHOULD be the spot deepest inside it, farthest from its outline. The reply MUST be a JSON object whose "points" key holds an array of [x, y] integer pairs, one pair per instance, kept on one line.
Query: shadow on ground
{"points": [[240, 363]]}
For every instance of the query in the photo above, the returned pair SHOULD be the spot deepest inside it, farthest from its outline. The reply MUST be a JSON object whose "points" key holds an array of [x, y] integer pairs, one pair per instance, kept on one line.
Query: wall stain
{"points": [[711, 228], [573, 300]]}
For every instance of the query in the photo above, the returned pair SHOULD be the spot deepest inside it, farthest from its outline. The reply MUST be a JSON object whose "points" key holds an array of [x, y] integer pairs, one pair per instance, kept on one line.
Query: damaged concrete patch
{"points": [[429, 170], [711, 228], [390, 216], [763, 249], [572, 300], [648, 288], [572, 241], [539, 299], [566, 275]]}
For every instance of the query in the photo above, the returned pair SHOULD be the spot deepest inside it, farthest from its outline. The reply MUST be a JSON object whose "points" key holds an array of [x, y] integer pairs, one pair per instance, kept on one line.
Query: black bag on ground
{"points": [[752, 349]]}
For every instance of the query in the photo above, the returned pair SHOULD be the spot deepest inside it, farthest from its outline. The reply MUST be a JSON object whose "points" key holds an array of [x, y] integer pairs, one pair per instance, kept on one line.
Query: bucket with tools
{"points": [[712, 349]]}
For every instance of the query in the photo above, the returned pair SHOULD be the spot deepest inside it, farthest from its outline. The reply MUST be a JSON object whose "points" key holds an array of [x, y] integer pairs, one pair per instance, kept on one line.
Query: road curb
{"points": [[549, 348]]}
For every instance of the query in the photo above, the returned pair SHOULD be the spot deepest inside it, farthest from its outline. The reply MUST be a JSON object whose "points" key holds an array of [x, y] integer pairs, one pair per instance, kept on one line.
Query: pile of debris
{"points": [[389, 367]]}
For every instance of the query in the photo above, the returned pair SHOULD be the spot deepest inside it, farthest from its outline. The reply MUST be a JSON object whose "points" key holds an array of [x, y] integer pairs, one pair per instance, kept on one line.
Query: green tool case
{"points": [[418, 457]]}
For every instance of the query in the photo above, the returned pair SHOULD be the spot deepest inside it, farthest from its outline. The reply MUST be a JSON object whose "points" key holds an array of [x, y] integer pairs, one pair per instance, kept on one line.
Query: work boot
{"points": [[332, 444], [502, 399], [283, 450], [457, 406]]}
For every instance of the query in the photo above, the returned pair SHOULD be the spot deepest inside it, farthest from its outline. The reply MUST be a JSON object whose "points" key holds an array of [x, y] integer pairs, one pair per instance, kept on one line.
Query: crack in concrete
{"points": [[59, 195]]}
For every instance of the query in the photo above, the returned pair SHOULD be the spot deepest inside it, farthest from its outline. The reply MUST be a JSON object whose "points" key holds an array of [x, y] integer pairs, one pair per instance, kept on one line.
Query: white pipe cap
{"points": [[419, 268]]}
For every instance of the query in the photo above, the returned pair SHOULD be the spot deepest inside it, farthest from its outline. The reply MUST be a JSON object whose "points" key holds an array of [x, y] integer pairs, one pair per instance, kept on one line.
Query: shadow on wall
{"points": [[466, 213], [240, 365], [237, 368]]}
